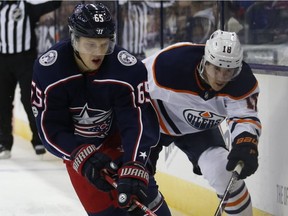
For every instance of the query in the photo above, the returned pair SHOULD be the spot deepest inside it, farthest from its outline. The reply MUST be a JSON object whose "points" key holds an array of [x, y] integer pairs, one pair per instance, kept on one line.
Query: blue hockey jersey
{"points": [[74, 108]]}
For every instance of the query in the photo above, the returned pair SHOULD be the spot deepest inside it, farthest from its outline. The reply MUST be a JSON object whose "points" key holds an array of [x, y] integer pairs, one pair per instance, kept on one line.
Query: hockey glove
{"points": [[90, 163], [132, 184], [244, 148]]}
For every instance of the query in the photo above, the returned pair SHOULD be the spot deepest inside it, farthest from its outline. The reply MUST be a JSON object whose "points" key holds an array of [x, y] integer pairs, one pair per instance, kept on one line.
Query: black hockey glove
{"points": [[89, 162], [132, 184], [244, 148]]}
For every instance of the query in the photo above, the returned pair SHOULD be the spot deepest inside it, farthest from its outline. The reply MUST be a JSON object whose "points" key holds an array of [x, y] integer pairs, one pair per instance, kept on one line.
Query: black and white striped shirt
{"points": [[134, 27], [17, 24]]}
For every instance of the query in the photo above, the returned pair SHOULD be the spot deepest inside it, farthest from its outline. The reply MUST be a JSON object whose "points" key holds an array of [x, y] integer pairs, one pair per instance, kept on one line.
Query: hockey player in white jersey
{"points": [[194, 89]]}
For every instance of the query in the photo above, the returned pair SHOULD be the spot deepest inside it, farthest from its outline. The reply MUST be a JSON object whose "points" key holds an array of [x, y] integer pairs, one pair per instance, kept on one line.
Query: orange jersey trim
{"points": [[161, 122], [154, 70], [237, 202], [247, 121]]}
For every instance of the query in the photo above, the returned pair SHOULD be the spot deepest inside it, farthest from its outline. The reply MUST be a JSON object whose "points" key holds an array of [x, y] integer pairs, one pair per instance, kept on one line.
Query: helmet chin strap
{"points": [[200, 70]]}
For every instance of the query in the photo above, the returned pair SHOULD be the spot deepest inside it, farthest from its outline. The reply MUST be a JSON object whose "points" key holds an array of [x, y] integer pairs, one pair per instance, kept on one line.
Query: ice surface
{"points": [[34, 185]]}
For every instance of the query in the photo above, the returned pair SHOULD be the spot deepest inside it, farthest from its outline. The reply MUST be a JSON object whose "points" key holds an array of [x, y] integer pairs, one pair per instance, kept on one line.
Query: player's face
{"points": [[92, 51], [218, 77]]}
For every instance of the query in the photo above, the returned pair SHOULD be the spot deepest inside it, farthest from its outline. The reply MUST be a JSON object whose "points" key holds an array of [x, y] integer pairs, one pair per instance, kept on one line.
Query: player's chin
{"points": [[218, 87], [93, 67]]}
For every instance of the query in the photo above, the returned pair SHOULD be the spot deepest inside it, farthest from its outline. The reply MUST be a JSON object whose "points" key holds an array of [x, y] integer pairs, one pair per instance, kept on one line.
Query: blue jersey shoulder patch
{"points": [[48, 58], [126, 58]]}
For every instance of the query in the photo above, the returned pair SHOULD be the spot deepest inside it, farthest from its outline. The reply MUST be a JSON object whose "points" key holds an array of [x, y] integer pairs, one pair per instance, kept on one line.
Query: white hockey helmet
{"points": [[223, 49]]}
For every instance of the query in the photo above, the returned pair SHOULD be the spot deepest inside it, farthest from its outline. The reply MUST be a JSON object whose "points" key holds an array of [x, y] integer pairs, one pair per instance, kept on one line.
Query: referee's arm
{"points": [[37, 10]]}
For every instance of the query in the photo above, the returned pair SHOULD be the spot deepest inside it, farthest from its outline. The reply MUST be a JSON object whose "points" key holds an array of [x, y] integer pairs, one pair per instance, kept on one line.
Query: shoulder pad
{"points": [[243, 85]]}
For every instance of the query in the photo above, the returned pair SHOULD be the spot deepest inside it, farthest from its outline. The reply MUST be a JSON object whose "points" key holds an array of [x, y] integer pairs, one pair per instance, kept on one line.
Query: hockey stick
{"points": [[137, 203], [226, 194]]}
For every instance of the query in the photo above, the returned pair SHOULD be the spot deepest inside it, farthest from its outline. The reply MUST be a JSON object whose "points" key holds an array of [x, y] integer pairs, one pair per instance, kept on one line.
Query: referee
{"points": [[18, 50]]}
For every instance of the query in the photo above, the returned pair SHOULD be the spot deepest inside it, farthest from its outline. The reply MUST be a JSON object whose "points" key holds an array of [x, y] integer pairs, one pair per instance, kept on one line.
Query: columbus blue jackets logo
{"points": [[91, 122], [126, 58], [48, 58], [202, 119]]}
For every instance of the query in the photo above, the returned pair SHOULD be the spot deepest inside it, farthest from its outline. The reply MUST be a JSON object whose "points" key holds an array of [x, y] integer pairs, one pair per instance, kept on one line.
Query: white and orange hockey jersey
{"points": [[185, 104]]}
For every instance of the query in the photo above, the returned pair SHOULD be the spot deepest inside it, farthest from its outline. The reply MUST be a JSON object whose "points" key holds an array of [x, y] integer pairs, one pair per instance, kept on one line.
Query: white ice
{"points": [[32, 185]]}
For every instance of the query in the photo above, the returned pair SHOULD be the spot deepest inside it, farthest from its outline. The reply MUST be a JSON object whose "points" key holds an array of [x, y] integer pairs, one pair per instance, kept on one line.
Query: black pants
{"points": [[16, 69]]}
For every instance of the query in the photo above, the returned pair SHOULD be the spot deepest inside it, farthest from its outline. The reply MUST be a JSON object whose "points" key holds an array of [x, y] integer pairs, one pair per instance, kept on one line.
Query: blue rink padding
{"points": [[281, 70]]}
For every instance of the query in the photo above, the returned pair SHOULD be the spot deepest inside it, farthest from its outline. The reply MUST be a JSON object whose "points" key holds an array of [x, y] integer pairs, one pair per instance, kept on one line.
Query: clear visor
{"points": [[220, 73], [94, 46]]}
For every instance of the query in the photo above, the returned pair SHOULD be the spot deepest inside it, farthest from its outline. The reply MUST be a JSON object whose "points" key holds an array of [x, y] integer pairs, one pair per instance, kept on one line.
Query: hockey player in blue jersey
{"points": [[194, 89], [92, 106]]}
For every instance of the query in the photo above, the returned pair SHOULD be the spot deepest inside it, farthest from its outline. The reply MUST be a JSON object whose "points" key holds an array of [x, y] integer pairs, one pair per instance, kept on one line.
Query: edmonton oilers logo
{"points": [[202, 120]]}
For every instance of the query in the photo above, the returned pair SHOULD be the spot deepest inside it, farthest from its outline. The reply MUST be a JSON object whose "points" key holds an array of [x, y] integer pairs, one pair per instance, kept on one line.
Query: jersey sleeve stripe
{"points": [[256, 123], [167, 118], [162, 125], [134, 156]]}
